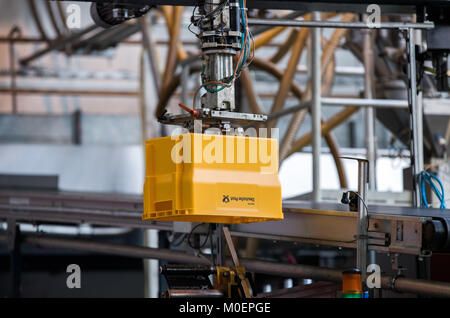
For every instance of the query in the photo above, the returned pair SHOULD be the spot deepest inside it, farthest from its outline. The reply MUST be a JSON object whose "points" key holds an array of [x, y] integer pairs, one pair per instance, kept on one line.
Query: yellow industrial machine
{"points": [[215, 172], [212, 178], [219, 169]]}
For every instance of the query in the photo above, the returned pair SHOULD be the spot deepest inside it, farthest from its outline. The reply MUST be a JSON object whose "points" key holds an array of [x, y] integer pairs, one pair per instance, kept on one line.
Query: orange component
{"points": [[351, 281], [193, 112]]}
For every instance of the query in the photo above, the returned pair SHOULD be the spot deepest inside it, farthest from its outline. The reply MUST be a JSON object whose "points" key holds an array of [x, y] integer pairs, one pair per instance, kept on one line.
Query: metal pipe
{"points": [[104, 39], [371, 139], [416, 286], [193, 293], [420, 106], [37, 20], [290, 16], [361, 102], [15, 32], [114, 249], [151, 266], [169, 15], [184, 84], [266, 37], [250, 93], [316, 77], [58, 44], [148, 42], [292, 271], [172, 53], [338, 24], [416, 118], [110, 217], [130, 41], [327, 126], [287, 78], [326, 101], [399, 284], [369, 111], [62, 16], [285, 47], [51, 14], [86, 92], [363, 219], [288, 111]]}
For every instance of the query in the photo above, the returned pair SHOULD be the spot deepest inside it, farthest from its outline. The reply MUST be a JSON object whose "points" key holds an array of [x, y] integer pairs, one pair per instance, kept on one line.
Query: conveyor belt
{"points": [[391, 228], [293, 206]]}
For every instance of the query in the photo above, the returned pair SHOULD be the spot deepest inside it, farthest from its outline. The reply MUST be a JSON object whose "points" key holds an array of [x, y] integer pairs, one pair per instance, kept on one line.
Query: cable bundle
{"points": [[426, 177], [247, 43]]}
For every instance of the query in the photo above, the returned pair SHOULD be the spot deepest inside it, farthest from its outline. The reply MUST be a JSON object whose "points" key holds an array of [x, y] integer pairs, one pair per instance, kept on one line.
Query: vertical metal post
{"points": [[14, 246], [416, 117], [13, 34], [151, 237], [151, 266], [369, 111], [363, 219], [424, 263], [316, 105], [371, 140], [149, 45], [220, 245], [184, 83], [77, 132]]}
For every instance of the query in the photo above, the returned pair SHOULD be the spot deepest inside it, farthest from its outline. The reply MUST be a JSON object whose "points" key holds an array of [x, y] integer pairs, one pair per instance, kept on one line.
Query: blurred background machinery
{"points": [[77, 102]]}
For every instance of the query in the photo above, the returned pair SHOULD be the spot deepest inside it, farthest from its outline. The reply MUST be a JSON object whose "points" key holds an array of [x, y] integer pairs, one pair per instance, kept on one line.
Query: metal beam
{"points": [[77, 92], [365, 102], [59, 44], [339, 24]]}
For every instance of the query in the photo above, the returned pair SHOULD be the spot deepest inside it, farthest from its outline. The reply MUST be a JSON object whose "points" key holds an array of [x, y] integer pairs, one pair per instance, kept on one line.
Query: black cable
{"points": [[220, 7], [362, 201], [200, 245], [177, 241], [192, 22], [213, 13], [211, 228]]}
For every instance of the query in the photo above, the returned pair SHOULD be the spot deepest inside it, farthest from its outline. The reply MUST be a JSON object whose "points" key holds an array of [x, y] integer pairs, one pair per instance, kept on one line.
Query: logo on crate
{"points": [[239, 200]]}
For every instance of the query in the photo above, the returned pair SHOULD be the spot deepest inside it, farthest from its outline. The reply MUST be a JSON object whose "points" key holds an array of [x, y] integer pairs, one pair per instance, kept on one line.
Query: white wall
{"points": [[296, 174], [87, 168]]}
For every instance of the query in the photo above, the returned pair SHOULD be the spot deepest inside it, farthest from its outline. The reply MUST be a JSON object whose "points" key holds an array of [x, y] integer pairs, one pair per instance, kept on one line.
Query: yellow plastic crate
{"points": [[212, 178]]}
